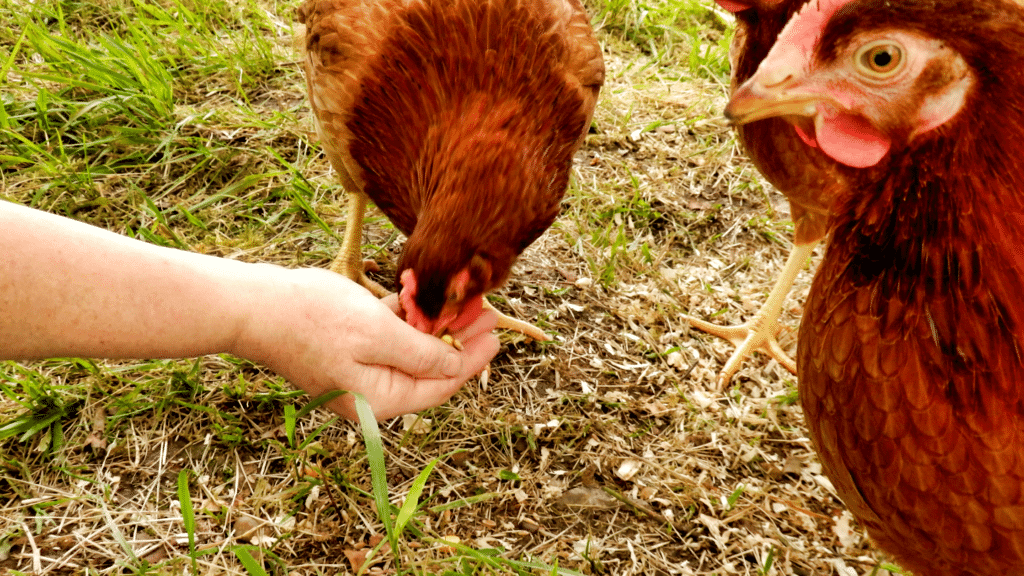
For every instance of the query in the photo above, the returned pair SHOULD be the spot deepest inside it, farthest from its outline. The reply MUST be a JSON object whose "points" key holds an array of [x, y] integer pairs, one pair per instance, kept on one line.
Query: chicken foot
{"points": [[525, 328], [759, 332], [349, 262]]}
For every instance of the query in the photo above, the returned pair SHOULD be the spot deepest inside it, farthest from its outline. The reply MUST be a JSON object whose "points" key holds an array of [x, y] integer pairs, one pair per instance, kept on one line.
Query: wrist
{"points": [[267, 290]]}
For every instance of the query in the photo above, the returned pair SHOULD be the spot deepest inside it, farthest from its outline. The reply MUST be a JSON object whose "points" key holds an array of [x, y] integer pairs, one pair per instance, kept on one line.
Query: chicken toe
{"points": [[757, 334], [515, 325]]}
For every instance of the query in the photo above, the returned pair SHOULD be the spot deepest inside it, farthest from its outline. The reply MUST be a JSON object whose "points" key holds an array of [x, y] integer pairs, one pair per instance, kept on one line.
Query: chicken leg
{"points": [[759, 333], [349, 261]]}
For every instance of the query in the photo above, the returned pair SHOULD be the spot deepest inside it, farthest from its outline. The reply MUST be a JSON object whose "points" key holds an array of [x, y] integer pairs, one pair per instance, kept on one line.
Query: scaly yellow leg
{"points": [[759, 333], [349, 261]]}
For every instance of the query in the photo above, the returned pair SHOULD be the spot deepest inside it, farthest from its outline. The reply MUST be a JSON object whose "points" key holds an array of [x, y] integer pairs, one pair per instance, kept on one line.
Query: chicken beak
{"points": [[771, 95]]}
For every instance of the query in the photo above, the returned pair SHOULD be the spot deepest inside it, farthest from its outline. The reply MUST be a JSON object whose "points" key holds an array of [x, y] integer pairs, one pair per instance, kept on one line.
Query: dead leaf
{"points": [[246, 526], [356, 558], [416, 424], [94, 442], [582, 497], [628, 469], [792, 465]]}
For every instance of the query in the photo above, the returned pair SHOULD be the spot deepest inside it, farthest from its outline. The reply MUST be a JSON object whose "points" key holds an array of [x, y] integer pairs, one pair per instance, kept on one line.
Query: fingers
{"points": [[413, 352], [391, 301], [485, 322], [415, 371], [476, 353], [407, 395], [425, 356], [405, 390], [479, 344], [345, 406]]}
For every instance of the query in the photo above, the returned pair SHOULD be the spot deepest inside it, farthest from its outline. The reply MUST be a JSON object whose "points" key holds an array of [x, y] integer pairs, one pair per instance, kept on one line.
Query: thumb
{"points": [[417, 354]]}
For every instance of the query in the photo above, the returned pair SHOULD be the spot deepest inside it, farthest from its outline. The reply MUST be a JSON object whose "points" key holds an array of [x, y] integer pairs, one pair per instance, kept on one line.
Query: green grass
{"points": [[672, 32], [147, 115]]}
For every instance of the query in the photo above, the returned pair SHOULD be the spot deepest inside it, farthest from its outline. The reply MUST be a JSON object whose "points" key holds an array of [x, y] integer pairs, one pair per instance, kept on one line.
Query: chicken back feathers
{"points": [[458, 118], [911, 372]]}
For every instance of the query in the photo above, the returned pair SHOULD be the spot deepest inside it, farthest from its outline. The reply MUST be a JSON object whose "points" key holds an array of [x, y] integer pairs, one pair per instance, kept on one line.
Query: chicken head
{"points": [[458, 119], [859, 95]]}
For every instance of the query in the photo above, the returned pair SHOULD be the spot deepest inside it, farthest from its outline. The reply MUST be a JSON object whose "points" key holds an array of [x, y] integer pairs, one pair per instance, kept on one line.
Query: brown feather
{"points": [[808, 178]]}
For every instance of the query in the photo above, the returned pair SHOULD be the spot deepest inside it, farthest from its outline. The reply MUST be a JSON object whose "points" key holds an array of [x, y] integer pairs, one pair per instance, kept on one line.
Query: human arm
{"points": [[70, 289]]}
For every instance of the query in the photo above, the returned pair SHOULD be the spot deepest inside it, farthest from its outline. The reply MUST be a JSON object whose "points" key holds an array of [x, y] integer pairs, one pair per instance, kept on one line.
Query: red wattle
{"points": [[471, 310], [851, 139], [734, 6], [807, 137]]}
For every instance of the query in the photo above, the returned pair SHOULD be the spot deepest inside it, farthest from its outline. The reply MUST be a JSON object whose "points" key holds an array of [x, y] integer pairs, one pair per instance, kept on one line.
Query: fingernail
{"points": [[452, 365]]}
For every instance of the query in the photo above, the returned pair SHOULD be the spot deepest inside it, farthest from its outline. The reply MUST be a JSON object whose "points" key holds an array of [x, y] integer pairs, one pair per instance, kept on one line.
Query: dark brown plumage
{"points": [[459, 119], [911, 348]]}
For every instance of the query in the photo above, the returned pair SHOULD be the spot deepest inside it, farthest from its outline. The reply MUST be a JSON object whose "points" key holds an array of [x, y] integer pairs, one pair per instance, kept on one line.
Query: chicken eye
{"points": [[880, 59]]}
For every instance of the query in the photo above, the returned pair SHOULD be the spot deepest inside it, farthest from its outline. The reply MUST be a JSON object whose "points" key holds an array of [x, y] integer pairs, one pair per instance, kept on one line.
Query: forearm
{"points": [[70, 289]]}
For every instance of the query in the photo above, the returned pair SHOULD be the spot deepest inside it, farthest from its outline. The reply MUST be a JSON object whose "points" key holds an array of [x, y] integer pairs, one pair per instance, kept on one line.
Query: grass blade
{"points": [[378, 469], [188, 517], [251, 565], [412, 499]]}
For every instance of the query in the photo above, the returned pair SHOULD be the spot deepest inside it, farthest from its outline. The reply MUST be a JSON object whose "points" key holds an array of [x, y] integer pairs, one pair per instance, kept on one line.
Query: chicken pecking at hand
{"points": [[911, 350], [795, 166], [459, 119]]}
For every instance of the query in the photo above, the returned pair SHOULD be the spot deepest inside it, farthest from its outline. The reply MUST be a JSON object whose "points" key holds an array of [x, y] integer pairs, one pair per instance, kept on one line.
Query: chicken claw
{"points": [[525, 328], [759, 333]]}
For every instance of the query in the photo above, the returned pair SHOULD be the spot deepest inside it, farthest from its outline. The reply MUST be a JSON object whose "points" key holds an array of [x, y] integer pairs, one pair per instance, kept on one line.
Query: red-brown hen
{"points": [[911, 349], [459, 119], [807, 177]]}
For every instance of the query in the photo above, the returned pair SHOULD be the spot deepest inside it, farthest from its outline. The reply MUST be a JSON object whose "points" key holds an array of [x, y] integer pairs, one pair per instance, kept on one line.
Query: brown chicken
{"points": [[808, 178], [911, 349], [459, 119]]}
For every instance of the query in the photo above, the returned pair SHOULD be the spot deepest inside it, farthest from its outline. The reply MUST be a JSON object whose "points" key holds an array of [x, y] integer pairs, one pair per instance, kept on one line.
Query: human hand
{"points": [[86, 292], [324, 332]]}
